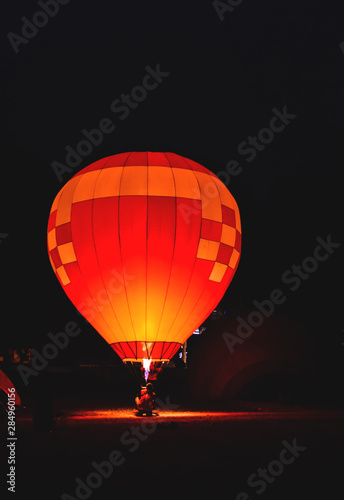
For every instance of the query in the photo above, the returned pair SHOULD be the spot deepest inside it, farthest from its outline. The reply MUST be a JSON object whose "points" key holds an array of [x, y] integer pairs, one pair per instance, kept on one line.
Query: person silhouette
{"points": [[146, 402]]}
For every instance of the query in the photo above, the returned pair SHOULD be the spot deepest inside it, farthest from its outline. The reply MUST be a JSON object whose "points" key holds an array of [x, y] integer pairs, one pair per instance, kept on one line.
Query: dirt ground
{"points": [[183, 449]]}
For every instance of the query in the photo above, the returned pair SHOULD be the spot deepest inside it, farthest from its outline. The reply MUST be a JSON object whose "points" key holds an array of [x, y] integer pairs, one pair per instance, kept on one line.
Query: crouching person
{"points": [[146, 402]]}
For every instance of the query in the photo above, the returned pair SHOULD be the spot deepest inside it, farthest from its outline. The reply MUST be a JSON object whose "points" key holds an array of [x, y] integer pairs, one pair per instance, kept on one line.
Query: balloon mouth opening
{"points": [[147, 369], [141, 360], [139, 350], [146, 359]]}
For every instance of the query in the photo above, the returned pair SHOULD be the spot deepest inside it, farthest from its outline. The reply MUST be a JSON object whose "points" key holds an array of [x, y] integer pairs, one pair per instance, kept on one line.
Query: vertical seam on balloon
{"points": [[95, 250], [120, 247], [178, 333], [146, 326], [151, 351], [134, 353], [146, 303], [174, 244], [205, 286], [77, 263], [162, 349], [187, 288], [166, 348]]}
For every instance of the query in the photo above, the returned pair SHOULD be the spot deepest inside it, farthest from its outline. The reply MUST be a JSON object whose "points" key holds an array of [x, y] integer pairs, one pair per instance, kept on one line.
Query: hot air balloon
{"points": [[145, 245]]}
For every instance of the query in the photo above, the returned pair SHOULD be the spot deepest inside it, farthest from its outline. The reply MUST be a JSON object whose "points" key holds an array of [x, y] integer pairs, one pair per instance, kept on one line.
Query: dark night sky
{"points": [[225, 78]]}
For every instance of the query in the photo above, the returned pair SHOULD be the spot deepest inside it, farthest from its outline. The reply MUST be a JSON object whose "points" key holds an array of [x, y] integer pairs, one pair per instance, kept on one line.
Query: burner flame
{"points": [[146, 365]]}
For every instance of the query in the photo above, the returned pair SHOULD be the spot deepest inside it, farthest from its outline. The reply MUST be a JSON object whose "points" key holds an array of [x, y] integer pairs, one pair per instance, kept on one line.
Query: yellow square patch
{"points": [[67, 253], [161, 182], [63, 275], [108, 182], [186, 184], [228, 235], [234, 259], [208, 249], [52, 239], [134, 181], [218, 272], [85, 188]]}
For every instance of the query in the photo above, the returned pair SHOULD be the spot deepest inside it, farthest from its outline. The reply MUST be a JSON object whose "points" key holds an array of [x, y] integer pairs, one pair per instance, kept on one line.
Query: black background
{"points": [[225, 77]]}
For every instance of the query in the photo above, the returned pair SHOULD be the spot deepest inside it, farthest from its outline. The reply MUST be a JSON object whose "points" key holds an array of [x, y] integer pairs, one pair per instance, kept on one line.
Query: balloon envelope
{"points": [[145, 245]]}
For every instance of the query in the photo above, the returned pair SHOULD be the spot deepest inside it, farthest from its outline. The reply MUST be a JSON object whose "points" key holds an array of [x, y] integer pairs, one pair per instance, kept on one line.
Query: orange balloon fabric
{"points": [[145, 245]]}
